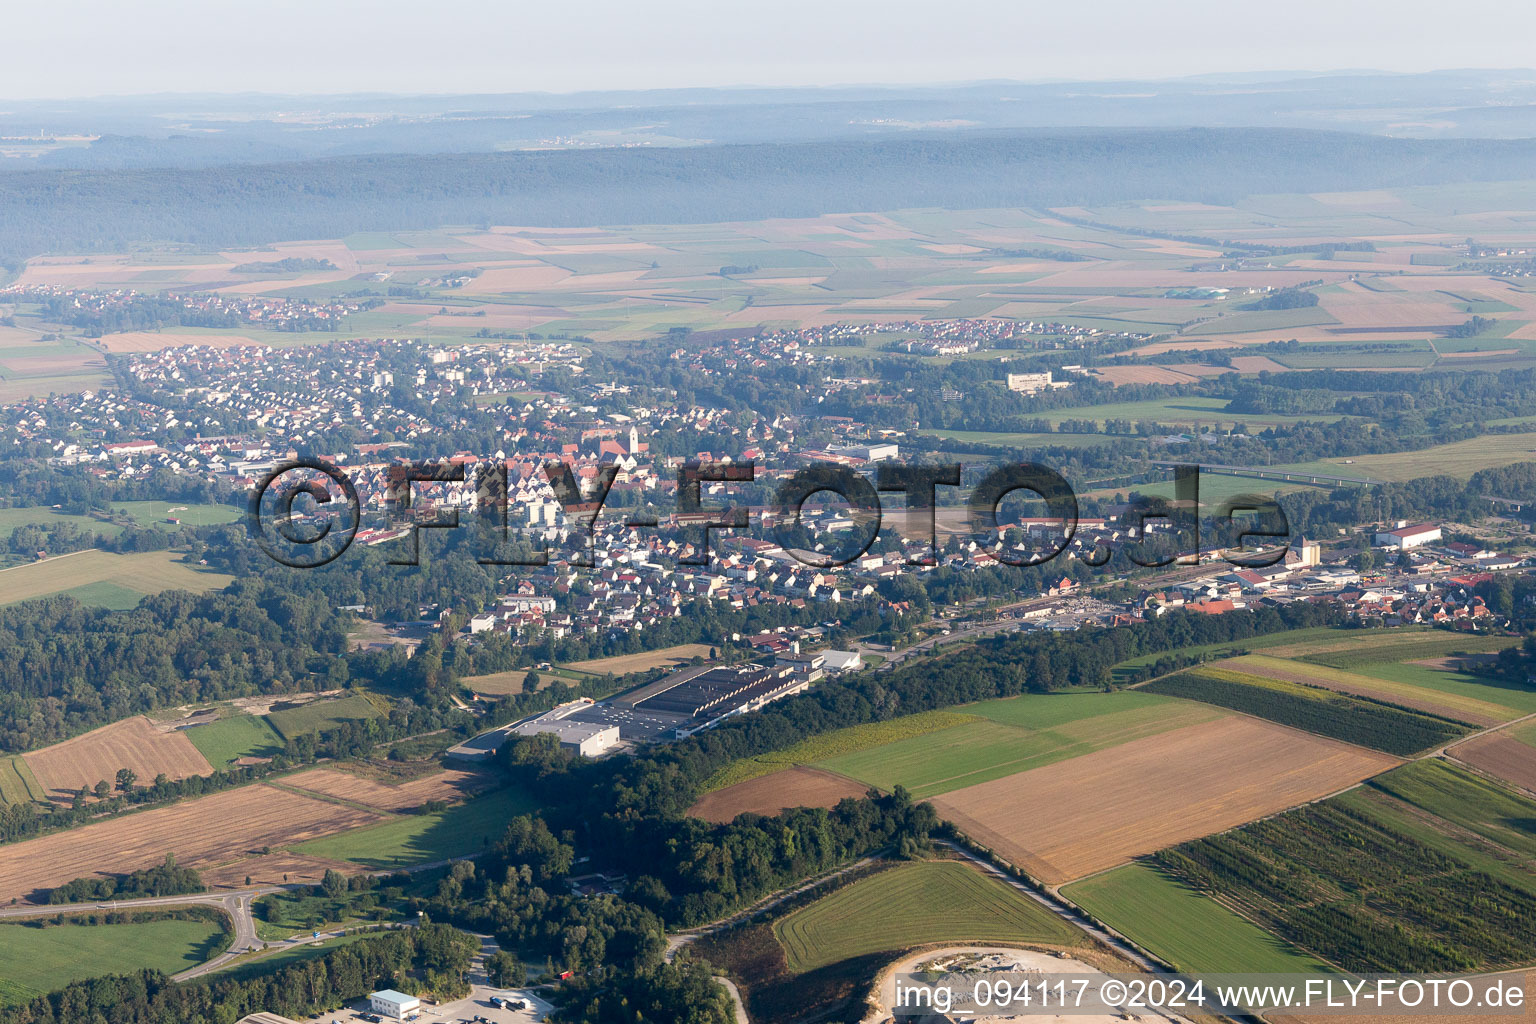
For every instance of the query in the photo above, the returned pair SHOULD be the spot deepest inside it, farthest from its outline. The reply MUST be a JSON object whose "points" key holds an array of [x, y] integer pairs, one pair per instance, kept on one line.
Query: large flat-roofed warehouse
{"points": [[586, 738], [708, 694]]}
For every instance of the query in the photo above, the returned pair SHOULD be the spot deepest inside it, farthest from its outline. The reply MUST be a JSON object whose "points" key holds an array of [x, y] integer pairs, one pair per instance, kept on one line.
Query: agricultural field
{"points": [[105, 579], [11, 518], [158, 513], [37, 959], [646, 661], [228, 829], [1385, 886], [1183, 927], [837, 742], [1462, 706], [17, 783], [1151, 792], [1453, 794], [500, 684], [1459, 459], [779, 791], [227, 740], [424, 838], [914, 904], [1369, 723], [450, 786], [65, 768], [1509, 755], [1002, 745], [320, 715]]}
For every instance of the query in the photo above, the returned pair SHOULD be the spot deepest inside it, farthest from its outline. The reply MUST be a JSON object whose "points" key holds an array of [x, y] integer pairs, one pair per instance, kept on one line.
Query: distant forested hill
{"points": [[50, 210]]}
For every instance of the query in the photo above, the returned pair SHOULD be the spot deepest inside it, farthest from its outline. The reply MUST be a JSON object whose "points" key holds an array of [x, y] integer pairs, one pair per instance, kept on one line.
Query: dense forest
{"points": [[50, 210]]}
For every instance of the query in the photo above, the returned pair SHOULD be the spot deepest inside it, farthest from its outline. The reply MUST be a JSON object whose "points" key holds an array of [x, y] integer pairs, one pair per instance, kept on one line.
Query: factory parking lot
{"points": [[478, 1004]]}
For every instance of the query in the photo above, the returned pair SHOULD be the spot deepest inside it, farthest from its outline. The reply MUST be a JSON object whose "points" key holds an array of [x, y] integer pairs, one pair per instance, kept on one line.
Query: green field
{"points": [[1024, 440], [155, 513], [36, 960], [1185, 928], [913, 904], [831, 744], [10, 518], [320, 715], [423, 838], [1316, 634], [17, 783], [1476, 804], [266, 963], [229, 739], [1459, 459], [83, 573], [1363, 648], [1464, 699], [1021, 733], [1180, 411]]}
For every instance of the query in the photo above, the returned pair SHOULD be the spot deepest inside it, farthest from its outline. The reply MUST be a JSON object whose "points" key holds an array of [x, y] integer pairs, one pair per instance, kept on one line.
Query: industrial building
{"points": [[589, 739], [708, 694], [389, 1003], [1404, 536]]}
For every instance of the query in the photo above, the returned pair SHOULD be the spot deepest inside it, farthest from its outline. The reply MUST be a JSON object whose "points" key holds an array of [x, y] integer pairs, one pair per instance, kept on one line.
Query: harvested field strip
{"points": [[1094, 812], [1377, 647], [1500, 755], [839, 741], [147, 572], [449, 786], [986, 750], [911, 905], [1185, 928], [770, 794], [134, 743], [1443, 679], [1446, 705], [643, 662], [1381, 726], [17, 783], [201, 833]]}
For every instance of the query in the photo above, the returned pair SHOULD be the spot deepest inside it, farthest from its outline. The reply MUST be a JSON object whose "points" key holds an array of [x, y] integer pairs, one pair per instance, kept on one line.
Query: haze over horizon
{"points": [[472, 46]]}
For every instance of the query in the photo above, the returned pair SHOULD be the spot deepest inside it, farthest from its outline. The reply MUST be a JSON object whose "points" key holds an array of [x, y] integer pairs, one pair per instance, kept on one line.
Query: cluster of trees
{"points": [[65, 668], [1295, 297], [166, 879], [287, 265]]}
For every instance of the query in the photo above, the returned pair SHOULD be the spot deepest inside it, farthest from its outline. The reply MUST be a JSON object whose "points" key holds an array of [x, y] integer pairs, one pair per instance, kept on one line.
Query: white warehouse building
{"points": [[390, 1003], [1405, 536]]}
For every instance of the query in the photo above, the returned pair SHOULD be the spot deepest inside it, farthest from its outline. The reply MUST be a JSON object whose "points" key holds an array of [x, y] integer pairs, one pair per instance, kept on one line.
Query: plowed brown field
{"points": [[1093, 812], [1500, 755], [450, 786], [133, 743], [220, 829], [770, 794]]}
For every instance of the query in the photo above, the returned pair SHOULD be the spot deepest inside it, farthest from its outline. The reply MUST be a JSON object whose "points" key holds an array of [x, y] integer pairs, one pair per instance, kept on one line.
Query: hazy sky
{"points": [[112, 47]]}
